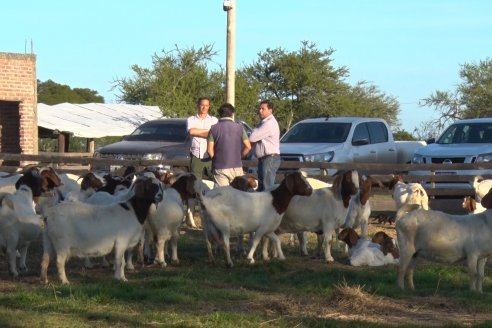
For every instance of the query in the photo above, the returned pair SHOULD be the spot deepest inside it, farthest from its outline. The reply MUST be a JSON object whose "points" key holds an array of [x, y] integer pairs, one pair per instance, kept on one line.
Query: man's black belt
{"points": [[269, 155]]}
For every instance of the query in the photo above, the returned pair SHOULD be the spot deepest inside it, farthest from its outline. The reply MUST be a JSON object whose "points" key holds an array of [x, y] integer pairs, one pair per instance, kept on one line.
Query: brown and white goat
{"points": [[360, 207], [165, 220], [19, 223], [234, 212], [80, 229], [381, 250], [323, 211]]}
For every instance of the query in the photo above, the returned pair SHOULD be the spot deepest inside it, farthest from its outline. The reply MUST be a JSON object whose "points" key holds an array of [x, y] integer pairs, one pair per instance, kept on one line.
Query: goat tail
{"points": [[406, 208]]}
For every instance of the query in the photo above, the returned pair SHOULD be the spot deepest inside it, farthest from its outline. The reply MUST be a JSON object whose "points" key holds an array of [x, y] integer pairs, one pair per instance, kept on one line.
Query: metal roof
{"points": [[95, 120]]}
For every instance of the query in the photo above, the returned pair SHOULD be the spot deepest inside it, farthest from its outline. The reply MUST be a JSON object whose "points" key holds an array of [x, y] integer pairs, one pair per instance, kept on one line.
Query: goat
{"points": [[447, 238], [379, 251], [481, 186], [19, 223], [235, 212], [79, 229], [360, 207], [243, 183], [407, 194], [164, 221], [471, 205], [323, 211]]}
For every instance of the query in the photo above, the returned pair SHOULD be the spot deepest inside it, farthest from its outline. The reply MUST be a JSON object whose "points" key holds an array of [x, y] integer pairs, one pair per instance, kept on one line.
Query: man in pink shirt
{"points": [[265, 139]]}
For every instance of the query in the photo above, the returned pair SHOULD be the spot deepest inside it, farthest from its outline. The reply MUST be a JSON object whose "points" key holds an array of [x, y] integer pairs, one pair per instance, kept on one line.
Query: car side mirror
{"points": [[431, 141], [360, 142]]}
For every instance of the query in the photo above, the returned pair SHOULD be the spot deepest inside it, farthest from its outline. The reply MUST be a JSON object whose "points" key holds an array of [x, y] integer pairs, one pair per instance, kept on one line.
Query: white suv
{"points": [[464, 141]]}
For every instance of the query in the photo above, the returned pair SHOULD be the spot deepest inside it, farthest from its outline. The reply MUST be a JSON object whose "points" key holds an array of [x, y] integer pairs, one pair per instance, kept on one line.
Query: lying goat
{"points": [[379, 251], [446, 238], [79, 229], [233, 212]]}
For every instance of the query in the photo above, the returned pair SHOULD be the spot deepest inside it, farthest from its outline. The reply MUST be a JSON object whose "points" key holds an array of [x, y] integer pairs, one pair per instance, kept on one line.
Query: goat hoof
{"points": [[23, 269]]}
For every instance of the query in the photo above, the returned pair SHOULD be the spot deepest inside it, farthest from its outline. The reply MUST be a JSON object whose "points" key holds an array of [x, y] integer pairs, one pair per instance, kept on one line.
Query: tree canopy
{"points": [[174, 83], [472, 97], [302, 83], [52, 93]]}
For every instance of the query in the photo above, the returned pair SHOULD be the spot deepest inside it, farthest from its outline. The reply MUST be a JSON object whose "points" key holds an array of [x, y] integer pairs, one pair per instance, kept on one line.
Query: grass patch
{"points": [[298, 292]]}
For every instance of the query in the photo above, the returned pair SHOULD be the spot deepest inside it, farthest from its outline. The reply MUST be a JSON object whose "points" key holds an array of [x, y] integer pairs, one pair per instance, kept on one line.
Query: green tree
{"points": [[52, 93], [471, 99], [174, 82], [403, 135], [304, 83]]}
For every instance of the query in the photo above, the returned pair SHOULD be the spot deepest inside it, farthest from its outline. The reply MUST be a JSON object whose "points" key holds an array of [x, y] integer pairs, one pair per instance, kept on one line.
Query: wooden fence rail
{"points": [[80, 162]]}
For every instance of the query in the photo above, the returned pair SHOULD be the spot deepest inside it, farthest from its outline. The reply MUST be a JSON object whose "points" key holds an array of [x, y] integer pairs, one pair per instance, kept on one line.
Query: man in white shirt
{"points": [[198, 127]]}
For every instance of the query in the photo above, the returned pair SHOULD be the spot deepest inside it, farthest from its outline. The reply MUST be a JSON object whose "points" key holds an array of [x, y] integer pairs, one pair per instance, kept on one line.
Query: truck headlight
{"points": [[418, 159], [152, 156], [322, 157], [484, 158]]}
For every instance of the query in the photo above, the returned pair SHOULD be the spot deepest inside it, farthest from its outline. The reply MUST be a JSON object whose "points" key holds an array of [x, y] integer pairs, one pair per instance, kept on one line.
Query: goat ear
{"points": [[473, 204], [343, 234], [354, 237], [289, 181], [7, 202]]}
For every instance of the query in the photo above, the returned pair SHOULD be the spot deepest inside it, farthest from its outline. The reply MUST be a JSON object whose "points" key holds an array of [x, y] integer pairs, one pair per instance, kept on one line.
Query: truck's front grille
{"points": [[452, 159], [122, 156], [290, 158]]}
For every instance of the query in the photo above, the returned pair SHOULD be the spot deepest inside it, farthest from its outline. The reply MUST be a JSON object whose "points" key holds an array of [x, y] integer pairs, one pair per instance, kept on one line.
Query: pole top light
{"points": [[227, 5]]}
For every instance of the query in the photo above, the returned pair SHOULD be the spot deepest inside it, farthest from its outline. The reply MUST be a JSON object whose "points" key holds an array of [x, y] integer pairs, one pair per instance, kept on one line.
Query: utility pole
{"points": [[230, 7]]}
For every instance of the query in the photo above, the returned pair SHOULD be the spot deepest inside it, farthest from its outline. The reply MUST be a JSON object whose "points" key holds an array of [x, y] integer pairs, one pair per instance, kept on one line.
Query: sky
{"points": [[407, 48]]}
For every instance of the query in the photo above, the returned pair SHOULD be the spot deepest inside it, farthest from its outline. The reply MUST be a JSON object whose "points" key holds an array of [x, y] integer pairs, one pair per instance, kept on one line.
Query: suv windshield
{"points": [[159, 131], [323, 132], [467, 133]]}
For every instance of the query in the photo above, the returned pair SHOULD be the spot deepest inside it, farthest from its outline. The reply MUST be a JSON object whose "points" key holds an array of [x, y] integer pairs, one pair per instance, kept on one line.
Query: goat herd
{"points": [[99, 214]]}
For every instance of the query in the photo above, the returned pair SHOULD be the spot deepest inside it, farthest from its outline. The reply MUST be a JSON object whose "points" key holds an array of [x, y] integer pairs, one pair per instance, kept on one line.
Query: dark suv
{"points": [[153, 140]]}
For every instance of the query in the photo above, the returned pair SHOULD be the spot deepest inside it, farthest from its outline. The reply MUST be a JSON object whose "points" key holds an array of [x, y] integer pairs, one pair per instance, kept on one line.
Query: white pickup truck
{"points": [[464, 141], [344, 140]]}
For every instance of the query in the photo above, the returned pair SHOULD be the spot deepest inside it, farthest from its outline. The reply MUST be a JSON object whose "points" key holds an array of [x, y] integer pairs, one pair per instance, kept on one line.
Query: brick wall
{"points": [[18, 103]]}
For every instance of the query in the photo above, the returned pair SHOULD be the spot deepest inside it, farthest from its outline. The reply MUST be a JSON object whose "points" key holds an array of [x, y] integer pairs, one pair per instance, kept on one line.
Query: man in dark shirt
{"points": [[224, 146]]}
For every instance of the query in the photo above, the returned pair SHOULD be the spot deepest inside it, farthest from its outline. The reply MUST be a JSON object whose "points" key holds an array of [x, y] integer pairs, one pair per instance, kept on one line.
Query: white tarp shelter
{"points": [[95, 120]]}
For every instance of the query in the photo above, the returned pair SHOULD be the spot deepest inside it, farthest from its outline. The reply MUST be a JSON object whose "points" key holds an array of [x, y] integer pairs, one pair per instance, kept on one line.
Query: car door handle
{"points": [[373, 152]]}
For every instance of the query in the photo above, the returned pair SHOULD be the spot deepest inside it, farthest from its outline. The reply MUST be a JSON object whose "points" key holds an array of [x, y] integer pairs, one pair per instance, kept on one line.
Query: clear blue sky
{"points": [[409, 49]]}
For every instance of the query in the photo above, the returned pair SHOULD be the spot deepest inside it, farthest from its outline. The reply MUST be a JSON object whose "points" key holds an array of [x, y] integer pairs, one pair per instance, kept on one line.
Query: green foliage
{"points": [[175, 81], [471, 99], [304, 83], [403, 135], [301, 83], [52, 93]]}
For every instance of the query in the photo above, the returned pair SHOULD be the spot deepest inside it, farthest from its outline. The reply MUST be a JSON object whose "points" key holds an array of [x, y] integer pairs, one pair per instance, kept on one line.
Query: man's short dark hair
{"points": [[268, 103], [202, 98], [226, 110]]}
